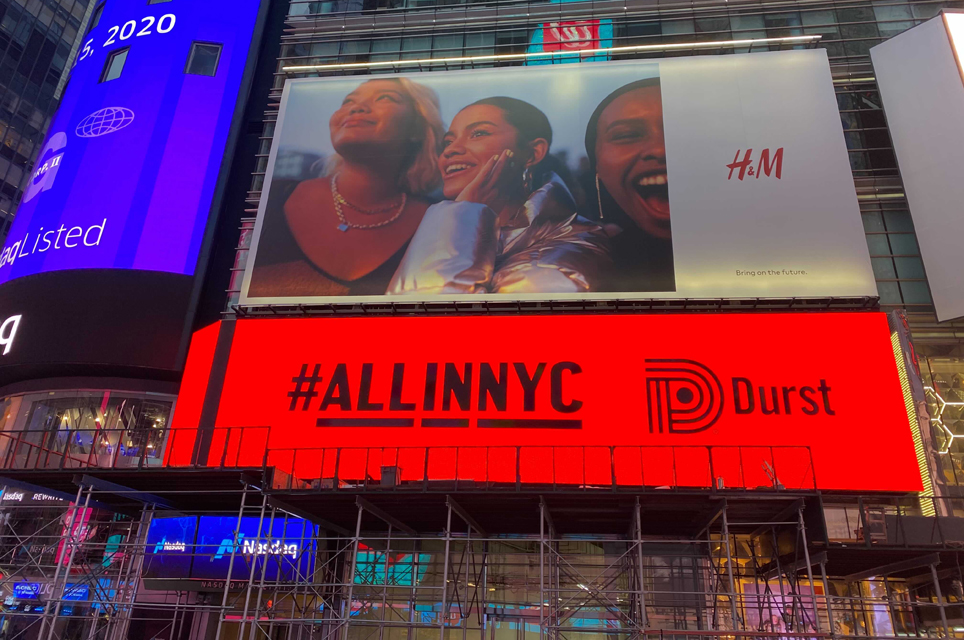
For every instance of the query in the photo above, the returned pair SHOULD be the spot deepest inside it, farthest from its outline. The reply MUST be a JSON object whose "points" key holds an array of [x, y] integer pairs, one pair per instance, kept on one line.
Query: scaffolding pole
{"points": [[127, 589], [806, 554], [940, 601], [234, 550], [73, 543], [640, 573], [729, 570], [347, 603], [443, 611]]}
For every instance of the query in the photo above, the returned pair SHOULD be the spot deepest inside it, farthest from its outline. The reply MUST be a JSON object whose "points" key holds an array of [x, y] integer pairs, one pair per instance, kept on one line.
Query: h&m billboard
{"points": [[702, 177], [817, 395]]}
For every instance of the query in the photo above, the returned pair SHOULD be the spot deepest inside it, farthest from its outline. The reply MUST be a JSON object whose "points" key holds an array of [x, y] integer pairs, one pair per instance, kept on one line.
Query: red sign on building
{"points": [[744, 400], [580, 35]]}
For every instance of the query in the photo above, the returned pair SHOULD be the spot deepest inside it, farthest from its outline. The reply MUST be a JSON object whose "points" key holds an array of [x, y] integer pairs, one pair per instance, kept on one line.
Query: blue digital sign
{"points": [[128, 172], [33, 590], [26, 590], [76, 592], [201, 548], [170, 545], [283, 549]]}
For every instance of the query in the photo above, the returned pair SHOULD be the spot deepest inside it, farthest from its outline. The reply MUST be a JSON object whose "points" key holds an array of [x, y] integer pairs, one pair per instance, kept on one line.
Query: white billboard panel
{"points": [[699, 177], [921, 86]]}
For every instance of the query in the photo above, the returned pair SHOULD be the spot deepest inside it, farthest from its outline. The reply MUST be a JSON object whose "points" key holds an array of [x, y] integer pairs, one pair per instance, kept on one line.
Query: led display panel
{"points": [[803, 401], [698, 177], [922, 87], [170, 547], [128, 172], [282, 548], [200, 548]]}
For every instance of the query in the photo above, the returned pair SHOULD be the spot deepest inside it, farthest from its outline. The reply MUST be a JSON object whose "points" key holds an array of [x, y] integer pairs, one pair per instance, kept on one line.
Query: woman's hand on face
{"points": [[491, 186]]}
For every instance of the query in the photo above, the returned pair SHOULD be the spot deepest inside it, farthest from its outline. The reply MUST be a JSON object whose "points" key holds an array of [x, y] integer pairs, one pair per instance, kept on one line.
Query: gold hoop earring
{"points": [[599, 198]]}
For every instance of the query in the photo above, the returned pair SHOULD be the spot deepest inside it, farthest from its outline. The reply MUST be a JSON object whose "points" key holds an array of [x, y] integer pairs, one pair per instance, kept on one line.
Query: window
{"points": [[114, 65], [95, 18], [204, 58]]}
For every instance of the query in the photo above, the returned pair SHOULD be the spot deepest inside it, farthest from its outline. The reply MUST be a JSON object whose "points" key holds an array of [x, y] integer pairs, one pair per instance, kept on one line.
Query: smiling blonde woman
{"points": [[345, 233]]}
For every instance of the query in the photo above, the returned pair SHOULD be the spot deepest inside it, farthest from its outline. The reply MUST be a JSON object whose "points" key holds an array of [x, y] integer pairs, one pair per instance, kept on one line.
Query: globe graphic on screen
{"points": [[104, 121]]}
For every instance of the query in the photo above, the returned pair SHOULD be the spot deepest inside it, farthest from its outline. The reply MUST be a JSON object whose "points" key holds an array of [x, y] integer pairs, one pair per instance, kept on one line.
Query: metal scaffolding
{"points": [[353, 567], [733, 578], [71, 567]]}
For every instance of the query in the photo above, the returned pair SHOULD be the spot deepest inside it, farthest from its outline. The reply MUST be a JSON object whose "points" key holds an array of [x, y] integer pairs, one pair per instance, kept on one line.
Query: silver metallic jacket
{"points": [[547, 248]]}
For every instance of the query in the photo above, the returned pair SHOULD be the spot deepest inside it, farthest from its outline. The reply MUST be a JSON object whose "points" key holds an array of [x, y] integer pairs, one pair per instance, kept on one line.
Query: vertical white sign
{"points": [[921, 85]]}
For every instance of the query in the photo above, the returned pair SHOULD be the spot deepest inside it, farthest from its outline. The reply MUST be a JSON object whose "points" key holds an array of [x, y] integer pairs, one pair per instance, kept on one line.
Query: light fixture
{"points": [[938, 420], [928, 508], [881, 196], [854, 80], [749, 42]]}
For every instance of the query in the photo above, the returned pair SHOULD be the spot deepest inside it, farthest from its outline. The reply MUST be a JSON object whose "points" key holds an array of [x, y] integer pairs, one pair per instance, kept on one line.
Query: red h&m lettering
{"points": [[764, 166]]}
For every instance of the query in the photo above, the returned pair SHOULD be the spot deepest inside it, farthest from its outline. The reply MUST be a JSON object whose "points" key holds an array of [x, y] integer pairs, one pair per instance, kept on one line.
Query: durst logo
{"points": [[685, 396]]}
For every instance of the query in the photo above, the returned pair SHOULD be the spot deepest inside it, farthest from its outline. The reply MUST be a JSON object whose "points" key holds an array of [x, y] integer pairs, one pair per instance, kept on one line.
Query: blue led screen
{"points": [[170, 544], [283, 549], [127, 174], [200, 548]]}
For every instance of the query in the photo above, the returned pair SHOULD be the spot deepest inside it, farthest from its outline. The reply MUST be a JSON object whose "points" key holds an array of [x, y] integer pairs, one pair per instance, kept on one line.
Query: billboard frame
{"points": [[500, 302]]}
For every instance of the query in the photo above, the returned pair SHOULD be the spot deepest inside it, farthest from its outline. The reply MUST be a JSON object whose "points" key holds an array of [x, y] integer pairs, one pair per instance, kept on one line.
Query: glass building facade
{"points": [[38, 43], [382, 30]]}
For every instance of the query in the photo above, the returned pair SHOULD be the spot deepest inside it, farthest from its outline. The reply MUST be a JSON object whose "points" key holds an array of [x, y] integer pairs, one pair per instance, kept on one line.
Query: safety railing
{"points": [[909, 522], [229, 447], [583, 468]]}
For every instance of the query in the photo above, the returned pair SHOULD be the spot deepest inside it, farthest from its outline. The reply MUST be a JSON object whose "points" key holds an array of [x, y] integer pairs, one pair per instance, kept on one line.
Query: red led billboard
{"points": [[803, 400]]}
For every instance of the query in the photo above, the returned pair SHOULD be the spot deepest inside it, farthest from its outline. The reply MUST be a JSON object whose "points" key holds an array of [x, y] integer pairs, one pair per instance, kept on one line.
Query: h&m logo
{"points": [[765, 166], [685, 396]]}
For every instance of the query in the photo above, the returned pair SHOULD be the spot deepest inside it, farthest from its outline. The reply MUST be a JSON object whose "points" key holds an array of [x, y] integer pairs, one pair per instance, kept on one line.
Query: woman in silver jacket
{"points": [[494, 233]]}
